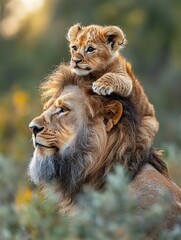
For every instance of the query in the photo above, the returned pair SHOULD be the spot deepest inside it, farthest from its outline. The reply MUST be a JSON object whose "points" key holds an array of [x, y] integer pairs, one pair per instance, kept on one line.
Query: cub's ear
{"points": [[115, 37], [113, 113], [73, 31]]}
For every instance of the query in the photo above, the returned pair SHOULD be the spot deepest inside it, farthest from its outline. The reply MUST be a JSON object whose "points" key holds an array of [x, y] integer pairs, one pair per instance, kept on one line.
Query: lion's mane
{"points": [[121, 148]]}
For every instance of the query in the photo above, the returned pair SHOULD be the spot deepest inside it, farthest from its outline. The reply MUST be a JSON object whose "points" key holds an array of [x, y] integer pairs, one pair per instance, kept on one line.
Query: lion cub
{"points": [[95, 51]]}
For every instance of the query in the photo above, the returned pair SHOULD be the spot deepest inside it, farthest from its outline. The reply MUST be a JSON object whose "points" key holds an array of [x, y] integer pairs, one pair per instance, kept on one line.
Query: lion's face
{"points": [[93, 47], [54, 131], [56, 126], [67, 137]]}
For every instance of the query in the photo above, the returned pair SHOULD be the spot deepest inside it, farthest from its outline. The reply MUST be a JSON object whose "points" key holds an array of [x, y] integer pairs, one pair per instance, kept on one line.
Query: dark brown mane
{"points": [[152, 156]]}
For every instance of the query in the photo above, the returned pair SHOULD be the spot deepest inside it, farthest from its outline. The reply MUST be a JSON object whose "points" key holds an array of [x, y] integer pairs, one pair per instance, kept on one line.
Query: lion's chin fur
{"points": [[43, 169]]}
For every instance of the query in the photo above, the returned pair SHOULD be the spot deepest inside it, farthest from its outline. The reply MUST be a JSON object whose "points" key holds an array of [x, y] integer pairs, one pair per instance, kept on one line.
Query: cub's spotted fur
{"points": [[95, 52]]}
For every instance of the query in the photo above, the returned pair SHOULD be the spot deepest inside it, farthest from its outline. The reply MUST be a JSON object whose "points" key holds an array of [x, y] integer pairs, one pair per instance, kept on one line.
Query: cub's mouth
{"points": [[44, 146], [77, 67], [84, 67]]}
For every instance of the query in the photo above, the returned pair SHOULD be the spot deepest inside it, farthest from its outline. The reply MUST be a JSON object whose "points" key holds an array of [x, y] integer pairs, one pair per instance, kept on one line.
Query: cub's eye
{"points": [[90, 49], [74, 48]]}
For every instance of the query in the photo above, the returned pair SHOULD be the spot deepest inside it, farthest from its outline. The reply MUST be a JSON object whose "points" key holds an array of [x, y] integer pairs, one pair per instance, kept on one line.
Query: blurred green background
{"points": [[32, 43]]}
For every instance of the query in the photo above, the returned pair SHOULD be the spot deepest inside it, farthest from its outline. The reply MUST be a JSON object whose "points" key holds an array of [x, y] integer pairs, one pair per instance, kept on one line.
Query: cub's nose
{"points": [[35, 128], [77, 60]]}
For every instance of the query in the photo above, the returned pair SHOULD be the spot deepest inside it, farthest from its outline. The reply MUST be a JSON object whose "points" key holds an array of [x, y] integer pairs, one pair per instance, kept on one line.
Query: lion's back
{"points": [[151, 187]]}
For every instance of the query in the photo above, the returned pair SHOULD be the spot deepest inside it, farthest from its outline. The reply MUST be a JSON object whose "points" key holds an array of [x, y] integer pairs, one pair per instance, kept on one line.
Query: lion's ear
{"points": [[115, 37], [73, 31], [113, 113]]}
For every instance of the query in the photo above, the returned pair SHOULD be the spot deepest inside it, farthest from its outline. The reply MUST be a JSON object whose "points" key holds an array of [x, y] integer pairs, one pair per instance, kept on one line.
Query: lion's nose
{"points": [[35, 128]]}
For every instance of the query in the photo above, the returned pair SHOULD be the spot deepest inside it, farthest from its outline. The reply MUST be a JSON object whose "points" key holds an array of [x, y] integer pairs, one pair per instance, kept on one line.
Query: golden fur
{"points": [[95, 52], [81, 136]]}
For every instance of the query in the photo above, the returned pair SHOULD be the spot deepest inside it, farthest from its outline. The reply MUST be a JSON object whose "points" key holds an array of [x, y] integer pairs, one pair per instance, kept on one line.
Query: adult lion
{"points": [[80, 137]]}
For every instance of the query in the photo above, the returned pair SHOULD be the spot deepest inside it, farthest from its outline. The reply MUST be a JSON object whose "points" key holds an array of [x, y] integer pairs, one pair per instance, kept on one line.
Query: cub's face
{"points": [[93, 47]]}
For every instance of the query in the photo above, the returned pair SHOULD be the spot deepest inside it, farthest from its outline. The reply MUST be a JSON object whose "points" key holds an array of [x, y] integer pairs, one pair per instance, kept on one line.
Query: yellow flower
{"points": [[20, 101], [24, 196]]}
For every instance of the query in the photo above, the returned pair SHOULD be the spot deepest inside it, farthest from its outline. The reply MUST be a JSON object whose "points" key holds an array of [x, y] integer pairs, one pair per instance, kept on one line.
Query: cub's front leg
{"points": [[113, 82]]}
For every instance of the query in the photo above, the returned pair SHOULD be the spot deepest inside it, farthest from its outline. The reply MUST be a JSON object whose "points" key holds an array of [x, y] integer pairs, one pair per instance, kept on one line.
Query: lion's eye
{"points": [[74, 48], [90, 49], [61, 110]]}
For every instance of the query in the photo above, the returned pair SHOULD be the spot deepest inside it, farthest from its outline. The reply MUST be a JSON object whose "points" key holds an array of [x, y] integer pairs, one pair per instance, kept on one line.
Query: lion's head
{"points": [[80, 136], [93, 47]]}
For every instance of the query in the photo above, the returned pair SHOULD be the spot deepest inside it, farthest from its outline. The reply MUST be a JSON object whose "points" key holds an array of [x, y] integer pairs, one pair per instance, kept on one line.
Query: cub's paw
{"points": [[102, 88]]}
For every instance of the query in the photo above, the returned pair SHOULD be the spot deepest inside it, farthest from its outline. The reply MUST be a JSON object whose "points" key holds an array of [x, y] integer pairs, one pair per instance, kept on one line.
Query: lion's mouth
{"points": [[44, 146]]}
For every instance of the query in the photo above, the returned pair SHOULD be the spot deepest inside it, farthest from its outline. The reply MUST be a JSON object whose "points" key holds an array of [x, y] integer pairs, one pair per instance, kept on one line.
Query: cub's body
{"points": [[95, 52]]}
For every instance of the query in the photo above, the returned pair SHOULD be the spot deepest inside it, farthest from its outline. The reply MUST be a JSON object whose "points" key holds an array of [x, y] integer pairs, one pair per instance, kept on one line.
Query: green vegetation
{"points": [[102, 215], [32, 43]]}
